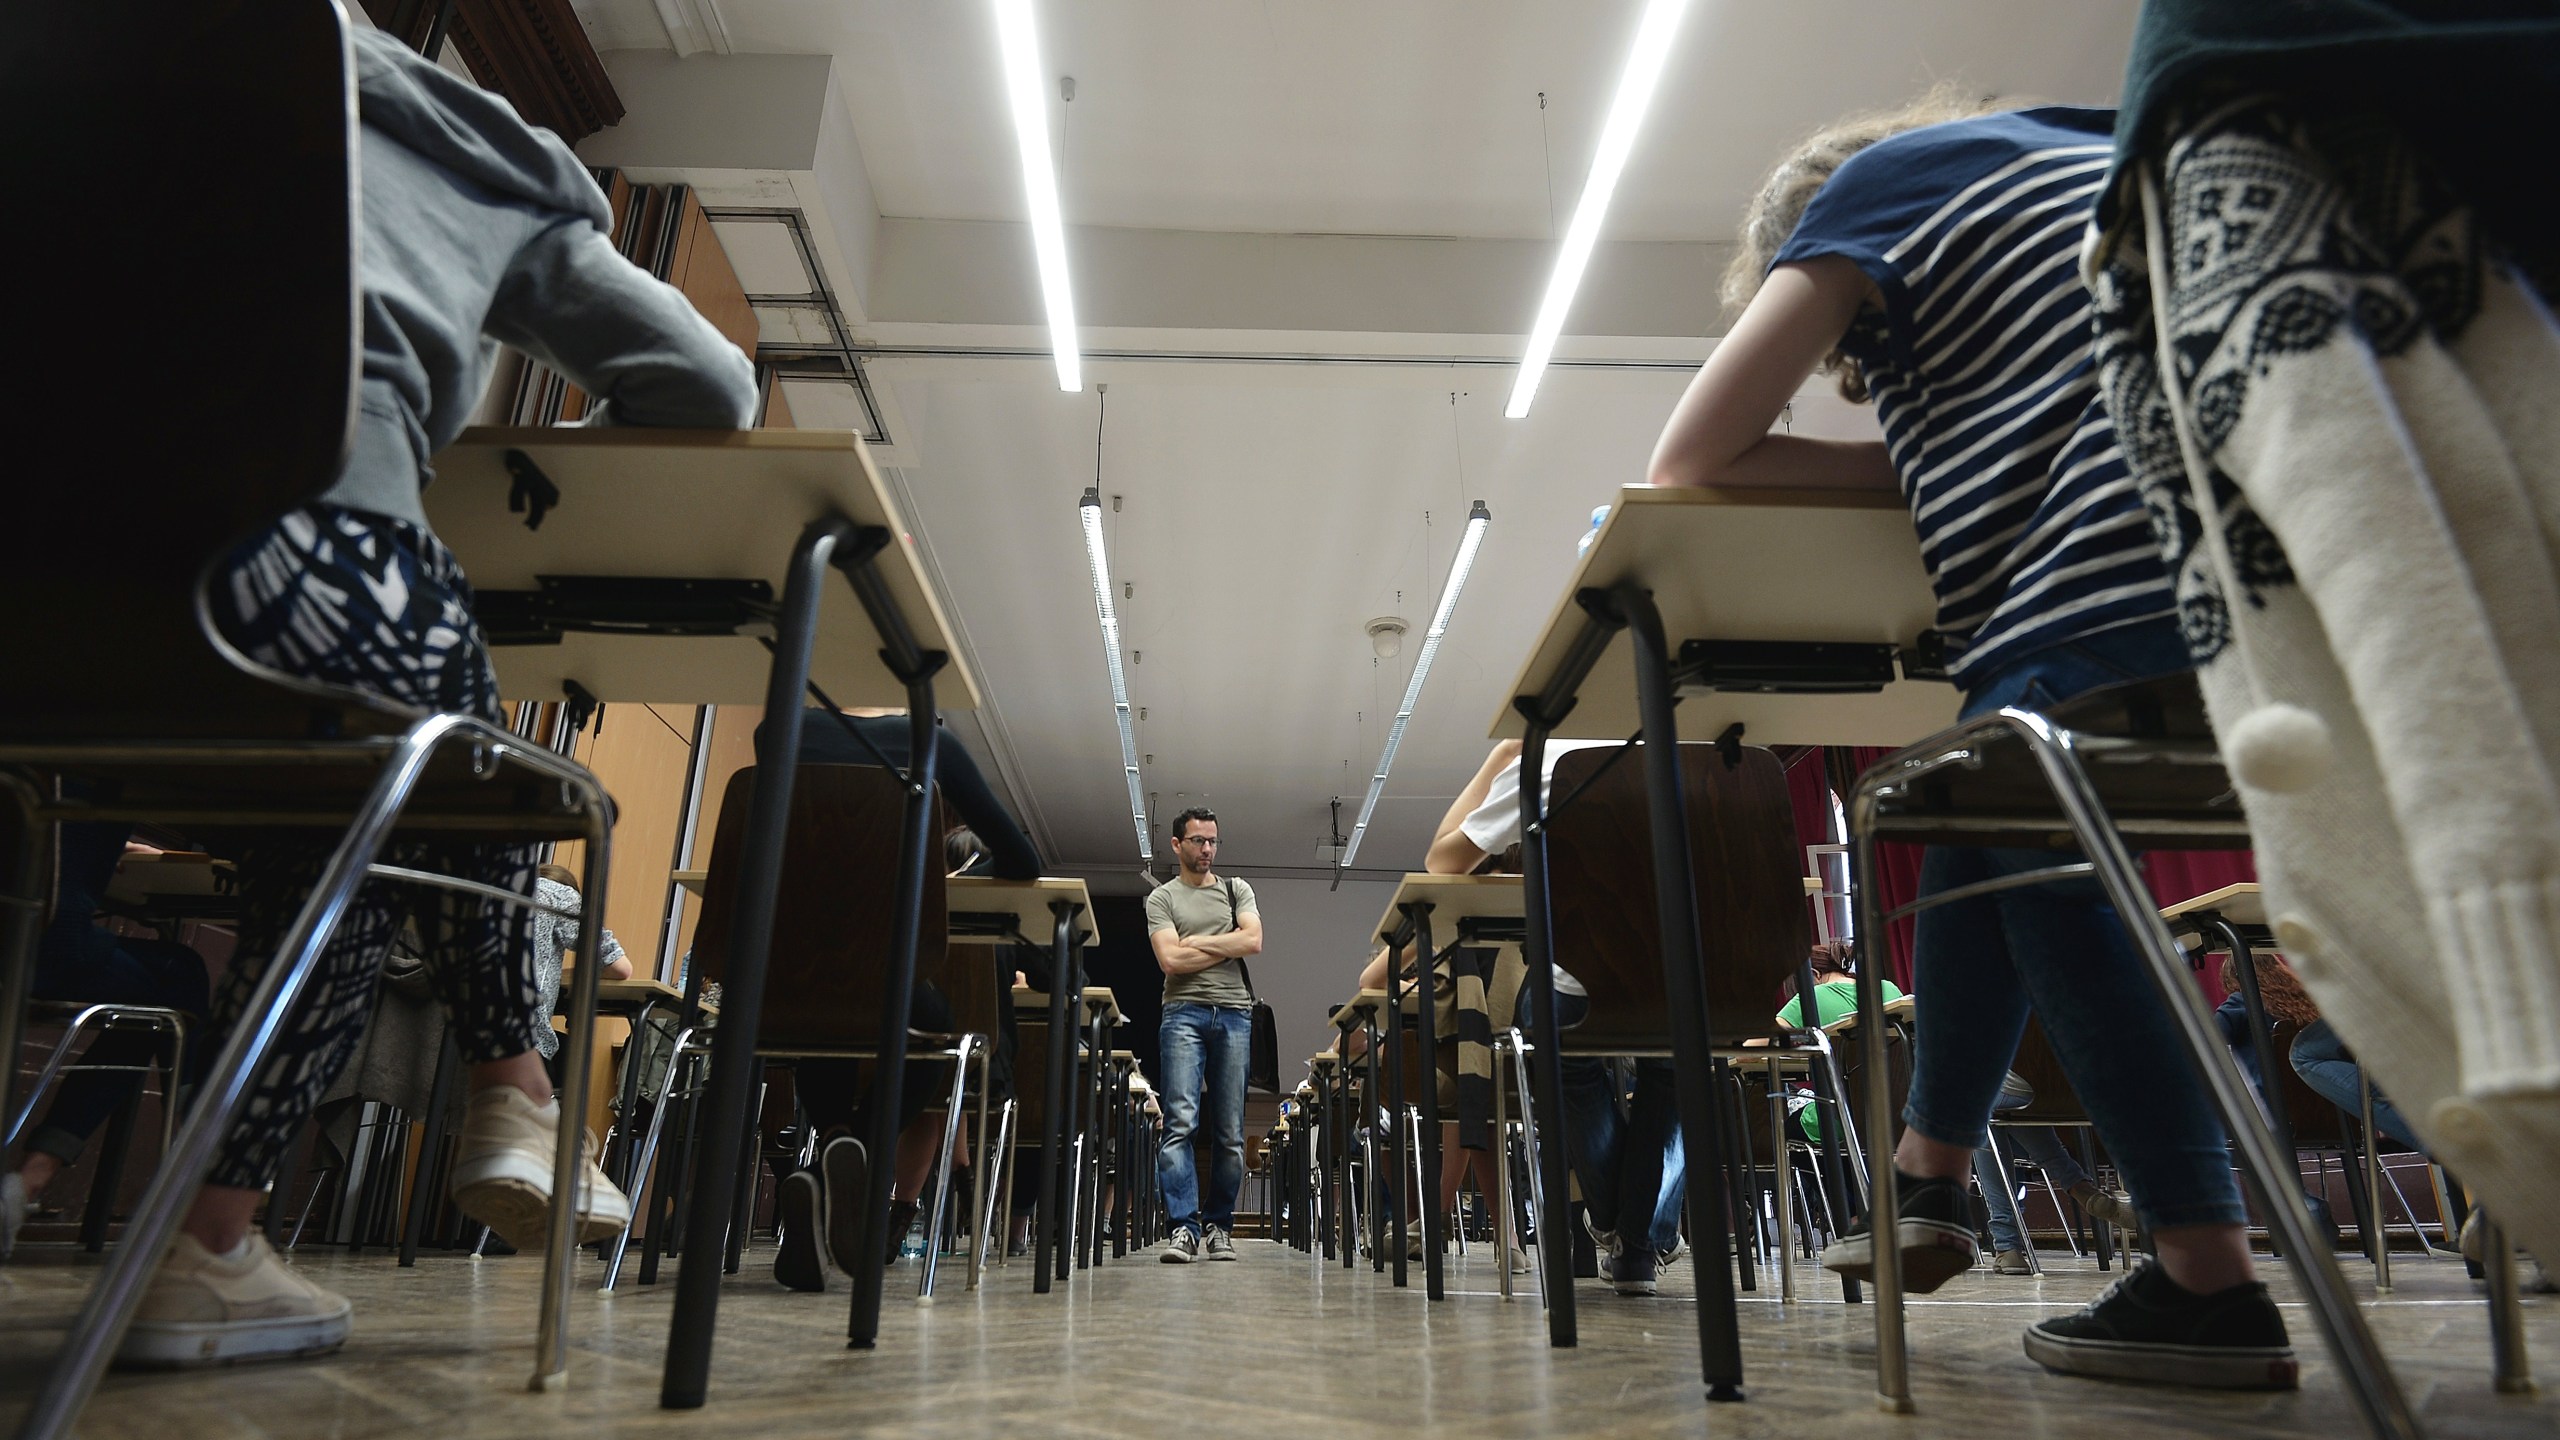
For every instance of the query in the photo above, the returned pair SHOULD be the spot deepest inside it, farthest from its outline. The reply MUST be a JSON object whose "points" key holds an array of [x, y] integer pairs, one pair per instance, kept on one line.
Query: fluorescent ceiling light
{"points": [[1617, 140], [1478, 520], [1090, 508], [1028, 92]]}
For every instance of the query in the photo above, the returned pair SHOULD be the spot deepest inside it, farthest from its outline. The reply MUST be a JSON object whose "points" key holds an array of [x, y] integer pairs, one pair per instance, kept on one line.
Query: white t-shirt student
{"points": [[1494, 825]]}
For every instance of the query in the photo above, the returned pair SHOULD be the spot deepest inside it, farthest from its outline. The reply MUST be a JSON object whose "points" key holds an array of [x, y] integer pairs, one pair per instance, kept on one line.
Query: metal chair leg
{"points": [[961, 1056], [643, 1179], [2512, 1367], [110, 1304]]}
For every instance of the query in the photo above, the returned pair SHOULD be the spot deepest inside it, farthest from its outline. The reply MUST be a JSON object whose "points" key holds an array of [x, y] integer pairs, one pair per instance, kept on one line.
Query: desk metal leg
{"points": [[2512, 1367], [1548, 1135], [918, 846], [423, 1192], [686, 1379], [2368, 1373], [1045, 1219], [1427, 1020], [1402, 1159], [22, 910]]}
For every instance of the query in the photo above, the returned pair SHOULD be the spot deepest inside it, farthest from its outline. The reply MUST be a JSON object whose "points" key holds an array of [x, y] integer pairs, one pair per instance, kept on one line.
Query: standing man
{"points": [[1202, 926]]}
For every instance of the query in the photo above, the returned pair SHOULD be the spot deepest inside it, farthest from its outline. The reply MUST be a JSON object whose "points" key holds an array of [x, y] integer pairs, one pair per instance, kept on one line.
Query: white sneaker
{"points": [[1519, 1261], [14, 1206], [207, 1309], [503, 1178]]}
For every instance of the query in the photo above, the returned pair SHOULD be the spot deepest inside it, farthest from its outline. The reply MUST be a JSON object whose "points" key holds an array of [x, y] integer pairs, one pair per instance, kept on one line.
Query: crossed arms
{"points": [[1178, 956]]}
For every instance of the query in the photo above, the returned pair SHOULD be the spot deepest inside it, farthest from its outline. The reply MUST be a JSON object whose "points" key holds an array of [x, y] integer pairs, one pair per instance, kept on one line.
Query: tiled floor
{"points": [[1269, 1346]]}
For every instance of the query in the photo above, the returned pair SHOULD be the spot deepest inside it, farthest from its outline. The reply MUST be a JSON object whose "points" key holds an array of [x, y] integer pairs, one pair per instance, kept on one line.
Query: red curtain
{"points": [[2177, 875], [1897, 877]]}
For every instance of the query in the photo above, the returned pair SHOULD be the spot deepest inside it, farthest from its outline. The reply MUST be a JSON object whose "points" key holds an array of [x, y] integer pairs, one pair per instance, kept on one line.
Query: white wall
{"points": [[1314, 941]]}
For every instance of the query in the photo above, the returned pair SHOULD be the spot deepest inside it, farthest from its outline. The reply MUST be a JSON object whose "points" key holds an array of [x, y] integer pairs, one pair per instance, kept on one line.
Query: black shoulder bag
{"points": [[1262, 1052]]}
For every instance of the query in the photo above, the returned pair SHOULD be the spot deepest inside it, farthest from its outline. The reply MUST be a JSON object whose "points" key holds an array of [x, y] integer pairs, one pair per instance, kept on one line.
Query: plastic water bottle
{"points": [[1599, 517], [913, 1247]]}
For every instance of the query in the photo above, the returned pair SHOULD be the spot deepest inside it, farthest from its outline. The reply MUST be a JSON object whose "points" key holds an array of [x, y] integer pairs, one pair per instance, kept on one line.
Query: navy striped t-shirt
{"points": [[1981, 370]]}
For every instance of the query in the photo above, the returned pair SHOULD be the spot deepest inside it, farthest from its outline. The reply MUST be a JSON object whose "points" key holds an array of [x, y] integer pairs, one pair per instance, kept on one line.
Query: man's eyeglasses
{"points": [[1205, 842]]}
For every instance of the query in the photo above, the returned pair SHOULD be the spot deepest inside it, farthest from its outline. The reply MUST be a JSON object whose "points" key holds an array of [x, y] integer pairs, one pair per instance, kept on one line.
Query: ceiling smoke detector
{"points": [[1386, 636]]}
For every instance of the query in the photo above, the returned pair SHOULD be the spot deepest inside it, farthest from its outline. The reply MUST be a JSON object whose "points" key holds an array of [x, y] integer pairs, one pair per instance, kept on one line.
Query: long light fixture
{"points": [[1478, 520], [1090, 508], [1018, 31], [1617, 141]]}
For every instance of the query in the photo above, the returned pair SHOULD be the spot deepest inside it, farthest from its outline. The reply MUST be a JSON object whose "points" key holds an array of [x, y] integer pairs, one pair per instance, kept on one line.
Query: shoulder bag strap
{"points": [[1235, 921]]}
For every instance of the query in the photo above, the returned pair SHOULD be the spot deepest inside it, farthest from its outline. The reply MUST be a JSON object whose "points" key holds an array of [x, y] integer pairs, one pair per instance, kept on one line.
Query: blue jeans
{"points": [[2038, 1143], [1984, 961], [2324, 1065], [1623, 1160], [1204, 1049]]}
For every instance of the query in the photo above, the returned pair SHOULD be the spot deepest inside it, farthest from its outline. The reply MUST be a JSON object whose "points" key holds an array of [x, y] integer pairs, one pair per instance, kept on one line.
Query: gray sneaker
{"points": [[1183, 1248], [1218, 1246]]}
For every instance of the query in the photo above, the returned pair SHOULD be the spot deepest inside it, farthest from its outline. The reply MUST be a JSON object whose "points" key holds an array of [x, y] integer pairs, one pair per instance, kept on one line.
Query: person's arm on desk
{"points": [[1453, 851], [1718, 435], [630, 340]]}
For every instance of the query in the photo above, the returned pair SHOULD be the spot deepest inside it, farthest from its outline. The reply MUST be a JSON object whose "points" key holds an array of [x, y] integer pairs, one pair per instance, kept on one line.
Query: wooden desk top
{"points": [[691, 504], [634, 993], [1453, 898], [1752, 565], [1024, 902], [142, 877], [1899, 1009], [1362, 1003], [2241, 904], [1096, 1000]]}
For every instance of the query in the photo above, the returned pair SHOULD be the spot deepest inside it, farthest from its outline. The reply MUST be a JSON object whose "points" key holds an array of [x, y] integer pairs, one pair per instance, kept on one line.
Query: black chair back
{"points": [[182, 339], [1751, 911]]}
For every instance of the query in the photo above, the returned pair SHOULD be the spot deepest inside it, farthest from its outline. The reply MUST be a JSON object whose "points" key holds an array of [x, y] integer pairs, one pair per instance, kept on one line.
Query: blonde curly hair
{"points": [[1791, 187]]}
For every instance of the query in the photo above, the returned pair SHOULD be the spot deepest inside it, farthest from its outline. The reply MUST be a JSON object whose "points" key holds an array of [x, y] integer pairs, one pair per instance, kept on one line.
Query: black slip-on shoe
{"points": [[1934, 1233], [2148, 1327], [842, 1167], [795, 1262]]}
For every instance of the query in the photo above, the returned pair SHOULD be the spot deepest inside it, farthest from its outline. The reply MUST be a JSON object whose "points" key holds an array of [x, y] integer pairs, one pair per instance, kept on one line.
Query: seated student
{"points": [[557, 887], [1626, 1136], [1929, 258], [476, 228], [77, 960], [822, 1202], [2317, 1055]]}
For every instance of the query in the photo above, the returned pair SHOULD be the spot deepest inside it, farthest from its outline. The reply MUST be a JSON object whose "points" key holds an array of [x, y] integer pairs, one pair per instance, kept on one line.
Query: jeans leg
{"points": [[1591, 1117], [1180, 1044], [1675, 1191], [1997, 1199], [2323, 1064], [1976, 1010], [1653, 1130], [1229, 1049], [2116, 1041], [2042, 1145]]}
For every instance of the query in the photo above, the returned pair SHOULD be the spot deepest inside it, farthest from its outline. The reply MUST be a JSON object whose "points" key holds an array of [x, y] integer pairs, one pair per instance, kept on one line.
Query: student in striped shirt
{"points": [[1929, 259]]}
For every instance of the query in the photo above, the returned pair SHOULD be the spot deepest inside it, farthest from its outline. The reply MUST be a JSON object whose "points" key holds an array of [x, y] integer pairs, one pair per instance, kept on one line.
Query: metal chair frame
{"points": [[2060, 759]]}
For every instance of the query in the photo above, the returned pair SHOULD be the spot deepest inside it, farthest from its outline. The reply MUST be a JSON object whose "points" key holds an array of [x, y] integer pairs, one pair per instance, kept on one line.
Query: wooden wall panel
{"points": [[642, 755], [702, 271], [732, 748]]}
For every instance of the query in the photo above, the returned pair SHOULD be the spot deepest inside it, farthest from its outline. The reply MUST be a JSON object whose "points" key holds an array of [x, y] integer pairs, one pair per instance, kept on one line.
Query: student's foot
{"points": [[1631, 1272], [1605, 1241], [843, 1190], [902, 1218], [1934, 1233], [1677, 1249], [1183, 1248], [1219, 1245], [1519, 1261], [503, 1178], [796, 1265], [2146, 1326], [206, 1309], [14, 1205], [2012, 1262], [2107, 1205]]}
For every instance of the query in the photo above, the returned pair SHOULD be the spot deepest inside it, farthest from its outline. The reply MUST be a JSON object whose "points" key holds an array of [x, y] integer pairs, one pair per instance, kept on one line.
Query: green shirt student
{"points": [[1833, 1000]]}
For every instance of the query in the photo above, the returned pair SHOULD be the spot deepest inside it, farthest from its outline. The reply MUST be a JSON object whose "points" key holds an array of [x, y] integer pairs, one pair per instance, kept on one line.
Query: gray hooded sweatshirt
{"points": [[479, 228]]}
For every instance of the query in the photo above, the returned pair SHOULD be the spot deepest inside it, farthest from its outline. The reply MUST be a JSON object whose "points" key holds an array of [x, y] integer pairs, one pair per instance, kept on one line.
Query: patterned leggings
{"points": [[378, 604]]}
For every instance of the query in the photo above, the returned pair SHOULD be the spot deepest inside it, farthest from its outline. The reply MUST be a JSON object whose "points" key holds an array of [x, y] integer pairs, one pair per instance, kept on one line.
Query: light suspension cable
{"points": [[1090, 509], [1478, 520], [1018, 32], [1617, 140]]}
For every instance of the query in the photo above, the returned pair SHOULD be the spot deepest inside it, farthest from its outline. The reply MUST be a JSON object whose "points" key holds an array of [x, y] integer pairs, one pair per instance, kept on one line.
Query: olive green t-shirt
{"points": [[1191, 910]]}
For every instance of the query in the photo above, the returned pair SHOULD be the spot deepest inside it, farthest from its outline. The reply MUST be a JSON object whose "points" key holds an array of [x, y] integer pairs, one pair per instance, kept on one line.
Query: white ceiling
{"points": [[1269, 509]]}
